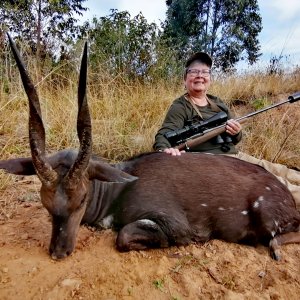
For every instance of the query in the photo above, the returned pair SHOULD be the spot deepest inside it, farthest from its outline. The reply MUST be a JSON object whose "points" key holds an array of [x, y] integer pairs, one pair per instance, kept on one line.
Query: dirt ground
{"points": [[96, 270]]}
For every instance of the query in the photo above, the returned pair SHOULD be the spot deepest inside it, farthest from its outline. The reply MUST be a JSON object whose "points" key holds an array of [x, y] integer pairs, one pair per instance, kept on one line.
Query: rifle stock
{"points": [[210, 133], [207, 135]]}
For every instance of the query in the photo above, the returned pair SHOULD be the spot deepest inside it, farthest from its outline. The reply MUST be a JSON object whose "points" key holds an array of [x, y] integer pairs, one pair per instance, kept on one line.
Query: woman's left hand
{"points": [[233, 127]]}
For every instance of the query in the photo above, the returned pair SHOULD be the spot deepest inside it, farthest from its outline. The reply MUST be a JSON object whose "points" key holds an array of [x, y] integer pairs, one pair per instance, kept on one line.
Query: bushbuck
{"points": [[153, 200]]}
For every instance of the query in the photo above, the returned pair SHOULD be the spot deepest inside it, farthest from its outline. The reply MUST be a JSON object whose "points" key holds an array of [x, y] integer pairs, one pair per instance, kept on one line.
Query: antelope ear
{"points": [[18, 166], [105, 172]]}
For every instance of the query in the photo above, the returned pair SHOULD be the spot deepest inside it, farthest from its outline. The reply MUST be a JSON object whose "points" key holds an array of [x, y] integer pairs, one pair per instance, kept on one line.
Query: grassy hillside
{"points": [[126, 115]]}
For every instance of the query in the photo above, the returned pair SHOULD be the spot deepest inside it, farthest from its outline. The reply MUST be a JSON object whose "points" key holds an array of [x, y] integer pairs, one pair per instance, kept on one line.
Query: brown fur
{"points": [[154, 200]]}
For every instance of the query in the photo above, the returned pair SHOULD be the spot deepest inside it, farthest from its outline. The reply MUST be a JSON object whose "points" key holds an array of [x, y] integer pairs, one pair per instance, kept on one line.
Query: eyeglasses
{"points": [[196, 72]]}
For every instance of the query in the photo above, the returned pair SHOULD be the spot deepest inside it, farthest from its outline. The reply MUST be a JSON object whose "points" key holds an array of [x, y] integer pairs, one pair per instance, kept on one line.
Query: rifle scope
{"points": [[178, 136]]}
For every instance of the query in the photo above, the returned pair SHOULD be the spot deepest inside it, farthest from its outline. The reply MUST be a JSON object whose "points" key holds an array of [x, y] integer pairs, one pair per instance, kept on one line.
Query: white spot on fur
{"points": [[268, 188], [276, 223], [106, 222], [147, 222], [256, 204], [273, 233], [203, 204], [244, 212], [221, 208], [261, 198]]}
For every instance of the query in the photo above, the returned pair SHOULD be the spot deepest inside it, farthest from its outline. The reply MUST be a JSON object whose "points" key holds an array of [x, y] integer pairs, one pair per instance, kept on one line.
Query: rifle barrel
{"points": [[212, 132], [261, 110]]}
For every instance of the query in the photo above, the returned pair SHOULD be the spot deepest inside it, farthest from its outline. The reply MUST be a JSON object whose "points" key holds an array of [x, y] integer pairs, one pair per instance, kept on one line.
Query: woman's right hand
{"points": [[173, 151]]}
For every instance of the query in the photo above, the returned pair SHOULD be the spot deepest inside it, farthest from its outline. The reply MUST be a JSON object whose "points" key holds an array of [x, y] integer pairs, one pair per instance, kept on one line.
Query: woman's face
{"points": [[198, 78]]}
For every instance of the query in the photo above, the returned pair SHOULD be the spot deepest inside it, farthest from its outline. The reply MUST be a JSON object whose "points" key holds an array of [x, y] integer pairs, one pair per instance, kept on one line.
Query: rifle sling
{"points": [[214, 106]]}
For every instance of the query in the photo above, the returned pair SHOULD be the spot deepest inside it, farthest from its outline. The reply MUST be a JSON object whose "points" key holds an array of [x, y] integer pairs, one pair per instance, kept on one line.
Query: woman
{"points": [[196, 105]]}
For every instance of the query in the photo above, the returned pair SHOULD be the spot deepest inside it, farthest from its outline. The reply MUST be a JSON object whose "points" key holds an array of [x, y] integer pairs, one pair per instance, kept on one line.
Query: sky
{"points": [[280, 20]]}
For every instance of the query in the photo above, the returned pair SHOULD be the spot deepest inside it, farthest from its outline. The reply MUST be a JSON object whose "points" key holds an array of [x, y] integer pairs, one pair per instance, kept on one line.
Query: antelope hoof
{"points": [[274, 250]]}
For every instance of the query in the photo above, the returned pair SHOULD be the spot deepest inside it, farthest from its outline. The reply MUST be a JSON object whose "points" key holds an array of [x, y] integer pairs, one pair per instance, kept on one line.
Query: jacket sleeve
{"points": [[175, 119]]}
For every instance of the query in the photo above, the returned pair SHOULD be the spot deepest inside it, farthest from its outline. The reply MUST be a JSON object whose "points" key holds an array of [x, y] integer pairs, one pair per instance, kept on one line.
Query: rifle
{"points": [[212, 132], [178, 136]]}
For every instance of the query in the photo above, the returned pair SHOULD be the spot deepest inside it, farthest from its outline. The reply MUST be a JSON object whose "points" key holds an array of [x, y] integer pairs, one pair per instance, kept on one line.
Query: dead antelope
{"points": [[154, 200]]}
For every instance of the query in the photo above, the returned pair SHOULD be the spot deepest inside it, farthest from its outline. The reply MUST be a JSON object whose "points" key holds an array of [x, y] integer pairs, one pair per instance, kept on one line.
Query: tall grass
{"points": [[272, 135], [126, 115]]}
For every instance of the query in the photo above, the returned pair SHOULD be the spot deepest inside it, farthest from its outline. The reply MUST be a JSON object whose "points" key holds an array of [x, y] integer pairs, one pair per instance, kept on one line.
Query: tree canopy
{"points": [[122, 43], [226, 29], [129, 45], [44, 24]]}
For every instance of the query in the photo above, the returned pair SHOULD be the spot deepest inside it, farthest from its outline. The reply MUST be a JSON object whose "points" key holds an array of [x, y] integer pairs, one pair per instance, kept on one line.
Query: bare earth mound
{"points": [[216, 270]]}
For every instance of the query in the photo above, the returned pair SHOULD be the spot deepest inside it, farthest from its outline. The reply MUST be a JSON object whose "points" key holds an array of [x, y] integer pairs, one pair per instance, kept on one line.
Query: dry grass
{"points": [[126, 115], [272, 135]]}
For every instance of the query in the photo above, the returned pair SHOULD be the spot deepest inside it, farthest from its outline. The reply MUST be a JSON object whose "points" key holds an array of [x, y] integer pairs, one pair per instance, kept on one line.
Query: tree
{"points": [[44, 24], [122, 44], [226, 29]]}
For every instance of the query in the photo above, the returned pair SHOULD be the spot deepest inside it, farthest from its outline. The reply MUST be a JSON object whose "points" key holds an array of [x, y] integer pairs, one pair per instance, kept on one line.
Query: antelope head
{"points": [[63, 193], [67, 176]]}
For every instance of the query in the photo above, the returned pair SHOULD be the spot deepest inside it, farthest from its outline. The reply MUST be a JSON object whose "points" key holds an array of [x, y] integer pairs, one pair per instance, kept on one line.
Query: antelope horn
{"points": [[36, 128], [84, 127]]}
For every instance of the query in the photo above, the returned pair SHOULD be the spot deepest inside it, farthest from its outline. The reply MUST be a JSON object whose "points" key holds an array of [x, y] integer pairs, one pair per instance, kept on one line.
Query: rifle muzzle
{"points": [[294, 97]]}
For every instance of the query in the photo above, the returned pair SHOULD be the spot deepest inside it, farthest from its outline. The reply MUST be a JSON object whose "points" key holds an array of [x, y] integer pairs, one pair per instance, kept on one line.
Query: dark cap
{"points": [[200, 56]]}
